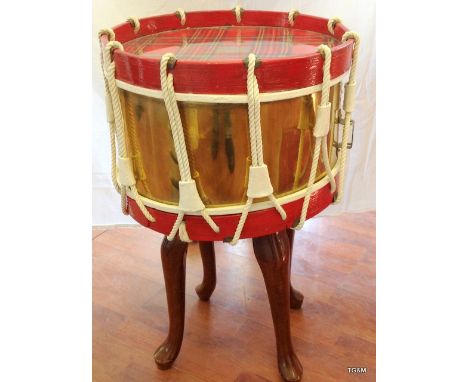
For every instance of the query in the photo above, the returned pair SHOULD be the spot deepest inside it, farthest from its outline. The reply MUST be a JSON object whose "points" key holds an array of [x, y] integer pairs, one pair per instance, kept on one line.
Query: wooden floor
{"points": [[333, 265]]}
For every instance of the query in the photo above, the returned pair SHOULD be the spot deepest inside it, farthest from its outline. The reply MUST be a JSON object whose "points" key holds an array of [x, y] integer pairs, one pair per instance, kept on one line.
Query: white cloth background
{"points": [[358, 15]]}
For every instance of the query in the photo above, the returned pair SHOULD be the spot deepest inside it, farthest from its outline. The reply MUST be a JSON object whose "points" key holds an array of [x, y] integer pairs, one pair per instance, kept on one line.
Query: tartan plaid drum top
{"points": [[211, 46], [226, 43]]}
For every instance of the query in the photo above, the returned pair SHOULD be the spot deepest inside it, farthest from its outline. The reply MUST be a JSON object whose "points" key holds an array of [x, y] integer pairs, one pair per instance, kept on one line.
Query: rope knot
{"points": [[238, 12], [332, 24], [110, 47], [293, 13], [352, 35], [180, 13], [108, 32], [135, 23]]}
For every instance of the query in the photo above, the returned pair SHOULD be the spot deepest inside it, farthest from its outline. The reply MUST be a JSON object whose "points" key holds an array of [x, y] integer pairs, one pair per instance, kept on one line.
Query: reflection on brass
{"points": [[191, 124], [214, 129], [175, 183], [173, 157], [201, 191], [304, 127], [228, 145], [216, 132], [139, 170]]}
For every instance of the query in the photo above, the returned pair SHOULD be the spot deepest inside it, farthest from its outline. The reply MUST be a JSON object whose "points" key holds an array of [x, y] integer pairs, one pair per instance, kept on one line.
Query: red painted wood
{"points": [[229, 77], [258, 223]]}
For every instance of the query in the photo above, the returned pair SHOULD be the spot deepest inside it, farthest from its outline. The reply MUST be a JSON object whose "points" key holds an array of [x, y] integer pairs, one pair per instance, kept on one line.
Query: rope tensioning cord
{"points": [[348, 106], [321, 129], [110, 113], [189, 198], [259, 180], [126, 176]]}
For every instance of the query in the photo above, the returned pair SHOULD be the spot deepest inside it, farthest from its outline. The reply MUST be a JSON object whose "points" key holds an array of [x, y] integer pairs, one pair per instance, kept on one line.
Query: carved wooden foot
{"points": [[273, 256], [206, 288], [296, 297], [173, 254]]}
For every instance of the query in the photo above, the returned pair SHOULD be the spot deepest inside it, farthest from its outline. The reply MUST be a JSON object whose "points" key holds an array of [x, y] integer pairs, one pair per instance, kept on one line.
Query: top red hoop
{"points": [[288, 54]]}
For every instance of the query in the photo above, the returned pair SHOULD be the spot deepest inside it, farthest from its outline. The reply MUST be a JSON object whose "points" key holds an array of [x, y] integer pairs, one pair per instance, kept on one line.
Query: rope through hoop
{"points": [[259, 179], [321, 129], [110, 115], [189, 198], [126, 176], [348, 106]]}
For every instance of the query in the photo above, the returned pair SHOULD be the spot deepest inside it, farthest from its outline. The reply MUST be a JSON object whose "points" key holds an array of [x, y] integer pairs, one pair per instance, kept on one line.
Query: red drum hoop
{"points": [[228, 77], [258, 223]]}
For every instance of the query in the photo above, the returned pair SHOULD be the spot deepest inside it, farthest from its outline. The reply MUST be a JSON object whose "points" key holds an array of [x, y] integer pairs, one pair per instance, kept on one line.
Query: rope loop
{"points": [[109, 32], [135, 23], [110, 47], [293, 13], [180, 13], [332, 24], [238, 12], [357, 41]]}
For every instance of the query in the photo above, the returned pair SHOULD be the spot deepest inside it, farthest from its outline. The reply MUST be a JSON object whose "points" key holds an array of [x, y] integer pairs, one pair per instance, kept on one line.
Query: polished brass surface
{"points": [[217, 139]]}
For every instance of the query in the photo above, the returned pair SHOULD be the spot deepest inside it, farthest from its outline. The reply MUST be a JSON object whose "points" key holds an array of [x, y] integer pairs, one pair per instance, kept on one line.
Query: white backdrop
{"points": [[358, 15]]}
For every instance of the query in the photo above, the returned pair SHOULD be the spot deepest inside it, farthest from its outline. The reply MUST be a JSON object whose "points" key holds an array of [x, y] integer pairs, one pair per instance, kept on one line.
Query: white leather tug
{"points": [[259, 182], [189, 199], [126, 176], [349, 97], [322, 121]]}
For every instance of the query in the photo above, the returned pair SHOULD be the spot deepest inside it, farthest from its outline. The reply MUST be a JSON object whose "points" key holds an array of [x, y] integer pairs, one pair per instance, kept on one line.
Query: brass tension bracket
{"points": [[349, 144]]}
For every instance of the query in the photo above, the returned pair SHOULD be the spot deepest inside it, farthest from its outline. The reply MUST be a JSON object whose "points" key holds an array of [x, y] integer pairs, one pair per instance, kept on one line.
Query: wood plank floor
{"points": [[232, 336]]}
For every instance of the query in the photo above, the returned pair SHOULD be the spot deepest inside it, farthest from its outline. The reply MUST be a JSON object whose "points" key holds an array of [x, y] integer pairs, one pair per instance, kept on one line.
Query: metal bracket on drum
{"points": [[349, 145]]}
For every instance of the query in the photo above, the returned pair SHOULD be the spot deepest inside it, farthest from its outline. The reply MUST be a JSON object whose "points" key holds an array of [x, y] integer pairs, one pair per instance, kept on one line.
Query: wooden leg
{"points": [[206, 288], [273, 256], [296, 297], [173, 254]]}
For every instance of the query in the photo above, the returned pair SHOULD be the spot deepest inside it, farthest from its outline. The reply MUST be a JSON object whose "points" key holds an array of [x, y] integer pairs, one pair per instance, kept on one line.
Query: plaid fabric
{"points": [[230, 43]]}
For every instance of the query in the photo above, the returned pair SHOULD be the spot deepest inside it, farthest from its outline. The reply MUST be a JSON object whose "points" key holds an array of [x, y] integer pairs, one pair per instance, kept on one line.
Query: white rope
{"points": [[175, 227], [116, 111], [109, 32], [263, 185], [110, 113], [238, 11], [183, 235], [348, 107], [327, 165], [135, 24], [123, 200], [326, 53], [332, 24], [292, 16], [181, 13], [321, 129], [167, 88]]}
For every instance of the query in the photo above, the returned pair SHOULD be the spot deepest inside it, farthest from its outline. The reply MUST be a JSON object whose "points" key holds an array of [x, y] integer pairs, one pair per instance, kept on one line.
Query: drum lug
{"points": [[349, 144]]}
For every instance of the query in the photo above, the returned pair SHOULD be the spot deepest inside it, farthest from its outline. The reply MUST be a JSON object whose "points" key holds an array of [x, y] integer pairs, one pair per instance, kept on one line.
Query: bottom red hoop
{"points": [[258, 223]]}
